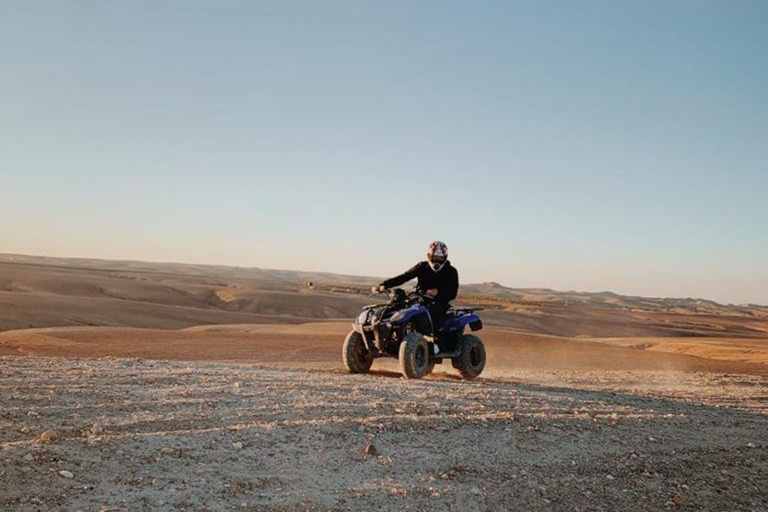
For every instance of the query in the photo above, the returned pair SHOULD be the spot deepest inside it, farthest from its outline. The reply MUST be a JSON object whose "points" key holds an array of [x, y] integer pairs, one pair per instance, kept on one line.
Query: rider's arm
{"points": [[402, 278]]}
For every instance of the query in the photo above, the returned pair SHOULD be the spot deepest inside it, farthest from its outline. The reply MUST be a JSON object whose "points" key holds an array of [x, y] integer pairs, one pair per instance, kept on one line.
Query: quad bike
{"points": [[402, 328]]}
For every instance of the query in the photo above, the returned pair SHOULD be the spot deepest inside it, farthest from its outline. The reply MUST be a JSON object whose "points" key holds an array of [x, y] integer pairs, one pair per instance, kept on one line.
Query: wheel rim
{"points": [[475, 357], [361, 354], [420, 357]]}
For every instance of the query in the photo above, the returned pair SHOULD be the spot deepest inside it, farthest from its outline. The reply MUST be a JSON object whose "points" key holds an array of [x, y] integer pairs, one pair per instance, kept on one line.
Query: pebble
{"points": [[371, 450], [610, 477], [49, 436], [94, 430], [66, 474], [237, 446]]}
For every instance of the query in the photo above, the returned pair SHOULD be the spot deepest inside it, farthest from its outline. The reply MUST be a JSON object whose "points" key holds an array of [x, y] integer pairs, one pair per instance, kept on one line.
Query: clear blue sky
{"points": [[588, 145]]}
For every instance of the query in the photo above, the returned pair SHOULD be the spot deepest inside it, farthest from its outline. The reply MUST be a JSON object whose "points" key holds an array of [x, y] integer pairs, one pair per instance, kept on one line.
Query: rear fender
{"points": [[458, 323]]}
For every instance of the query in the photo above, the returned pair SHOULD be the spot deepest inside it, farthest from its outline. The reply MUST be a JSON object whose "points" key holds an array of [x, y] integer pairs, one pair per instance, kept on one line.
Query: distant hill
{"points": [[48, 292], [292, 280], [609, 300]]}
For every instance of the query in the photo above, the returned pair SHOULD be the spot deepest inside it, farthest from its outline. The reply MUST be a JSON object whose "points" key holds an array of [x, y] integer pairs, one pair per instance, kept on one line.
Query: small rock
{"points": [[371, 450], [166, 451], [475, 491], [94, 430], [66, 474], [28, 457], [609, 477], [652, 439], [48, 437], [237, 446], [750, 445]]}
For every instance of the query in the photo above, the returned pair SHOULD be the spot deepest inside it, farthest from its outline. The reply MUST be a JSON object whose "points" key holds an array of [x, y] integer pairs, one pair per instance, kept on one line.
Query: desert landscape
{"points": [[157, 386]]}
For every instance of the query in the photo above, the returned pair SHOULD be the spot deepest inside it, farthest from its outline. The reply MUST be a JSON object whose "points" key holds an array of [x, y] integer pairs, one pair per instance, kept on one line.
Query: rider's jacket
{"points": [[446, 280]]}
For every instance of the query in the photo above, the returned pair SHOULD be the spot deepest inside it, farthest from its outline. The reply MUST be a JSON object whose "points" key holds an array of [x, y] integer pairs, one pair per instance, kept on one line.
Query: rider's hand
{"points": [[378, 288], [432, 292]]}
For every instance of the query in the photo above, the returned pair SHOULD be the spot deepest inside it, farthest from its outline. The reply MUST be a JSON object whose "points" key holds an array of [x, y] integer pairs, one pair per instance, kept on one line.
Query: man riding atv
{"points": [[437, 279], [419, 329]]}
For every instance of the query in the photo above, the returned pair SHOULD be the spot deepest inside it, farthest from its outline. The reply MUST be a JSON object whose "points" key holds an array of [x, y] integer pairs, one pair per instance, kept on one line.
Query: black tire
{"points": [[414, 356], [471, 361], [430, 367], [355, 354]]}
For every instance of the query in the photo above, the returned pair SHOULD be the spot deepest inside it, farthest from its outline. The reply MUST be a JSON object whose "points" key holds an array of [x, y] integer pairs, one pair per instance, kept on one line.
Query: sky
{"points": [[576, 145]]}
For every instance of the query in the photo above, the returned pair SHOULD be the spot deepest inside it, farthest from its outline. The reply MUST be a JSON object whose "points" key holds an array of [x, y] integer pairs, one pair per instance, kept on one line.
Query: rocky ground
{"points": [[131, 434]]}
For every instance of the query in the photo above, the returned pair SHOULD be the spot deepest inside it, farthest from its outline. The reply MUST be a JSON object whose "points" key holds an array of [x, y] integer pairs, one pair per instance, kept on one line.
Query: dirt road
{"points": [[132, 434]]}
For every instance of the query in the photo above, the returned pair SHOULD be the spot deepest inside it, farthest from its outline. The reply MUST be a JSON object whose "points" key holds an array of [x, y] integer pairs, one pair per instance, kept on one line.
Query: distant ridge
{"points": [[289, 280]]}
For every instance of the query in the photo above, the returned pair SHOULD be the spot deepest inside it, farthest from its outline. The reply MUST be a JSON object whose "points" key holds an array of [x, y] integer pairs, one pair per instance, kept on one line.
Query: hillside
{"points": [[48, 292]]}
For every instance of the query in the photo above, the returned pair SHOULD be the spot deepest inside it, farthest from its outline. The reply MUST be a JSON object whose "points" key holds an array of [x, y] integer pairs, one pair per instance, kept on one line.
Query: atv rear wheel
{"points": [[471, 361], [355, 354], [414, 356]]}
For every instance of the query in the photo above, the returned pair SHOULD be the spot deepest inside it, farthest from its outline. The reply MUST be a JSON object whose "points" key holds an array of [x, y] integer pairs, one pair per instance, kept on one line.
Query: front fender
{"points": [[418, 315], [405, 315]]}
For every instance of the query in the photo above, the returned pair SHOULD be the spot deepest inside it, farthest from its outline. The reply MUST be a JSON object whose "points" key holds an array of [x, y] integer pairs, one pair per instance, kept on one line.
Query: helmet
{"points": [[437, 255]]}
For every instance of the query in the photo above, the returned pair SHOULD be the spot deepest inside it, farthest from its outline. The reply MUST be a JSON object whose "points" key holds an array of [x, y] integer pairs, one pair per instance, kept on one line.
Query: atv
{"points": [[402, 328]]}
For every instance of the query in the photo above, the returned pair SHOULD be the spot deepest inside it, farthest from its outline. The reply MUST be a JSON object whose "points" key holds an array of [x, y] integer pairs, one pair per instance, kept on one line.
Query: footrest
{"points": [[446, 355]]}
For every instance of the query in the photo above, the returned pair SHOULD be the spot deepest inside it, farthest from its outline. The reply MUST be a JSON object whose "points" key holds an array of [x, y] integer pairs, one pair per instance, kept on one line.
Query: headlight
{"points": [[362, 317]]}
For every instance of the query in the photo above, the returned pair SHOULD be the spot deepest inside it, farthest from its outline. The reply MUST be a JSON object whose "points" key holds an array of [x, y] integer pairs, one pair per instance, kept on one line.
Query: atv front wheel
{"points": [[355, 354], [471, 361], [414, 356]]}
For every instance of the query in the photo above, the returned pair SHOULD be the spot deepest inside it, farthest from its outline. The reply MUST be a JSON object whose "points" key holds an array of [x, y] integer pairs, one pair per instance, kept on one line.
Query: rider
{"points": [[438, 279]]}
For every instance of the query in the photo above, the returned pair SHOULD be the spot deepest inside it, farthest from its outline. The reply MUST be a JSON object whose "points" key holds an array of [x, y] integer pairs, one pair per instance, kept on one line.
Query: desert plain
{"points": [[147, 386]]}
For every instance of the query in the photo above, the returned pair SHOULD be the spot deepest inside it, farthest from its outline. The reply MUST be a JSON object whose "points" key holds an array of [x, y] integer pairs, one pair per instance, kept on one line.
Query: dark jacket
{"points": [[446, 280]]}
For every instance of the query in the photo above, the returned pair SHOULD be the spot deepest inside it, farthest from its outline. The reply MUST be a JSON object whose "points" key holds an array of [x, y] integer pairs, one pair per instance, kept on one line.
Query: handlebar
{"points": [[413, 295]]}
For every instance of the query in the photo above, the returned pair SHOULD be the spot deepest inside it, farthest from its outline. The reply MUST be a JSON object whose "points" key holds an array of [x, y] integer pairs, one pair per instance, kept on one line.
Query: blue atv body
{"points": [[402, 328]]}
